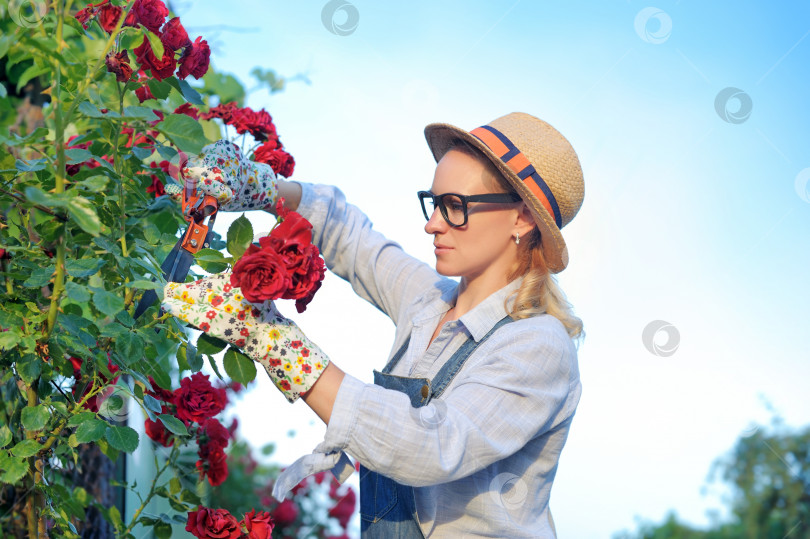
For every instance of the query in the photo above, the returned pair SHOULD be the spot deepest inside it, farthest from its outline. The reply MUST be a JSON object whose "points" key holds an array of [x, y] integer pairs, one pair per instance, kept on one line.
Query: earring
{"points": [[517, 238]]}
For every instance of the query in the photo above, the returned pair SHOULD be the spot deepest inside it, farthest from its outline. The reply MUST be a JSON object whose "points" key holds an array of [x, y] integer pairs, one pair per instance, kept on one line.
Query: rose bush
{"points": [[94, 111]]}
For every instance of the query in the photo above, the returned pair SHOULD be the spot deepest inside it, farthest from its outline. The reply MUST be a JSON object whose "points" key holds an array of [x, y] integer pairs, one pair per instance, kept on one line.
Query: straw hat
{"points": [[538, 161]]}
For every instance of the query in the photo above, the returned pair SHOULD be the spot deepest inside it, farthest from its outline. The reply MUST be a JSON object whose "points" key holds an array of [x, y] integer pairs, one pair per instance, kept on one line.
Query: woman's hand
{"points": [[238, 184], [291, 360]]}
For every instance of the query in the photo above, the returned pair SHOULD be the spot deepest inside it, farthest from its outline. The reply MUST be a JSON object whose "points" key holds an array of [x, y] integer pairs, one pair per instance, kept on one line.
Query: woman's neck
{"points": [[474, 290]]}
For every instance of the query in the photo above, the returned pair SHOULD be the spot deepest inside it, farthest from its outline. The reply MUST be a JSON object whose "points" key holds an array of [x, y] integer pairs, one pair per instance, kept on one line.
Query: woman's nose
{"points": [[436, 223]]}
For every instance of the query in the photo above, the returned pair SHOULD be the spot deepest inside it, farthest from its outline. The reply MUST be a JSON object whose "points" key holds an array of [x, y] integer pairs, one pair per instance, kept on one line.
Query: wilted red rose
{"points": [[189, 110], [108, 17], [285, 513], [173, 35], [84, 15], [197, 399], [261, 274], [280, 161], [160, 69], [157, 184], [194, 60], [224, 112], [119, 64], [143, 93], [150, 13], [205, 523], [258, 525], [344, 509]]}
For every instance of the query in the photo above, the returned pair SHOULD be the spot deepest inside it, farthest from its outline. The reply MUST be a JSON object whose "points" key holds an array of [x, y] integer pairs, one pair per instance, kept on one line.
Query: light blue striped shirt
{"points": [[482, 457]]}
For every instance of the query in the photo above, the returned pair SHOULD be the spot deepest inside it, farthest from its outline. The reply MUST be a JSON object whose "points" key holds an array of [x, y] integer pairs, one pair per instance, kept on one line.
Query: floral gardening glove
{"points": [[236, 182], [293, 362]]}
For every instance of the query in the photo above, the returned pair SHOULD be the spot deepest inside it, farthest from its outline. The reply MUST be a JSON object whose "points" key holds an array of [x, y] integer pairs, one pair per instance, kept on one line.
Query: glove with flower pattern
{"points": [[214, 306], [237, 183]]}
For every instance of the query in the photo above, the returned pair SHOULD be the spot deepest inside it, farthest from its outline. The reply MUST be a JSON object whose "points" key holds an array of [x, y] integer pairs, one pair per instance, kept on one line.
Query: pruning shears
{"points": [[200, 212]]}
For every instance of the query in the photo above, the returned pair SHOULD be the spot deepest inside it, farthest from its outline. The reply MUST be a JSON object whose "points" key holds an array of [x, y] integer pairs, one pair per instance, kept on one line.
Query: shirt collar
{"points": [[486, 314]]}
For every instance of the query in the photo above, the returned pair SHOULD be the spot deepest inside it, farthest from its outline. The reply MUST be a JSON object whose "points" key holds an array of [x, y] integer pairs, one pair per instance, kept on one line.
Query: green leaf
{"points": [[26, 448], [211, 261], [8, 340], [83, 267], [82, 212], [240, 235], [125, 318], [35, 417], [96, 183], [191, 95], [89, 109], [122, 438], [3, 92], [108, 303], [151, 403], [144, 285], [129, 346], [15, 469], [239, 367], [39, 277], [33, 71], [226, 87], [31, 166], [5, 436], [209, 345], [156, 43], [174, 425], [77, 292], [186, 133], [90, 430], [29, 367], [141, 113], [80, 418], [214, 366], [159, 89], [194, 360], [162, 530], [77, 155]]}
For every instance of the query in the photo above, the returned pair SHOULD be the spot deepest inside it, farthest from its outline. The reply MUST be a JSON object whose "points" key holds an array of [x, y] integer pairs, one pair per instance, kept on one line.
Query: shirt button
{"points": [[425, 390]]}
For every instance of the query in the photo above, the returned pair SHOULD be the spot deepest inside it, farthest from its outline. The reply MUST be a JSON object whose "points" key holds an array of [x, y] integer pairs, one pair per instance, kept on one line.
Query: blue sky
{"points": [[687, 218]]}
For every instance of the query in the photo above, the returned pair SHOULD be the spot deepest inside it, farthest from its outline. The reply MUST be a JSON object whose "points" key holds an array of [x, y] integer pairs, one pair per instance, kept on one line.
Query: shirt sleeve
{"points": [[377, 268], [520, 384]]}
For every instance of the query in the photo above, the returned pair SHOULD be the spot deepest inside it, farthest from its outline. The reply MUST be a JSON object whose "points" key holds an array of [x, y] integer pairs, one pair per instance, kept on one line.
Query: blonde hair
{"points": [[539, 293]]}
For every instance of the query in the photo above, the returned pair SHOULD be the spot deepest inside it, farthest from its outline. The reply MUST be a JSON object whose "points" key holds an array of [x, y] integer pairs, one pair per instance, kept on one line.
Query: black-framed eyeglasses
{"points": [[453, 206]]}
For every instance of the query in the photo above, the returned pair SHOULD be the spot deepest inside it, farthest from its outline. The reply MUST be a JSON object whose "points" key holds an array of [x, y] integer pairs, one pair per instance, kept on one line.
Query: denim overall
{"points": [[388, 508]]}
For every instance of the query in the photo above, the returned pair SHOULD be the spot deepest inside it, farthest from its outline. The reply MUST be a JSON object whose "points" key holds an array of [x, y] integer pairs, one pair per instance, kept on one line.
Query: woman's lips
{"points": [[441, 249]]}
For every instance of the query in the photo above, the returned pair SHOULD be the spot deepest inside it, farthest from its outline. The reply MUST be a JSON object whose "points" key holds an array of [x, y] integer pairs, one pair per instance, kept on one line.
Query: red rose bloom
{"points": [[143, 93], [197, 399], [159, 393], [344, 509], [214, 433], [85, 15], [261, 275], [189, 110], [150, 13], [194, 60], [214, 465], [160, 69], [174, 36], [158, 431], [108, 17], [224, 112], [205, 523], [280, 161], [119, 64], [258, 525], [285, 513], [257, 123]]}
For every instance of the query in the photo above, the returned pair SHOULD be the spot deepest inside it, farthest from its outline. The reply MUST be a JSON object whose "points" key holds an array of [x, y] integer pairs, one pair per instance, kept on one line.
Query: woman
{"points": [[462, 430]]}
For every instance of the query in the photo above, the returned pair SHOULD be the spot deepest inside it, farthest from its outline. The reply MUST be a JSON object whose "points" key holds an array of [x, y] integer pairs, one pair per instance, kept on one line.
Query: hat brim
{"points": [[440, 137]]}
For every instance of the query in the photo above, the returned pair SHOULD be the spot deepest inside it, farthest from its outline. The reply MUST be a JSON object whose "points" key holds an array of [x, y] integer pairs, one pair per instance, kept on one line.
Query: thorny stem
{"points": [[152, 490]]}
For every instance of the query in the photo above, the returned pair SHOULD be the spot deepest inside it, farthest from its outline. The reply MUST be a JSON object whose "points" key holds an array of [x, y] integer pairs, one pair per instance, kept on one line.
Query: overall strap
{"points": [[451, 368]]}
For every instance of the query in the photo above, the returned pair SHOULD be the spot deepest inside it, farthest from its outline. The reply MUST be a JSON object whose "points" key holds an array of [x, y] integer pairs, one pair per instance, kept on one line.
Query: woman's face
{"points": [[485, 246]]}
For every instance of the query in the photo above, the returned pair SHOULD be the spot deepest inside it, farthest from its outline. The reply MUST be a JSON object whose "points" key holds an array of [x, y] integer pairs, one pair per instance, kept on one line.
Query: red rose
{"points": [[293, 229], [108, 17], [160, 393], [157, 430], [85, 15], [285, 513], [258, 525], [119, 64], [207, 523], [174, 36], [160, 69], [257, 123], [197, 399], [150, 13], [344, 509], [143, 93], [214, 434], [223, 112], [194, 60], [189, 110], [280, 161], [261, 275], [214, 465], [262, 153]]}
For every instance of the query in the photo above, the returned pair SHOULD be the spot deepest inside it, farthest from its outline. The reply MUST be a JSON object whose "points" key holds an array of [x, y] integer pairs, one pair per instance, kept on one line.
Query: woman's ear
{"points": [[525, 220]]}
